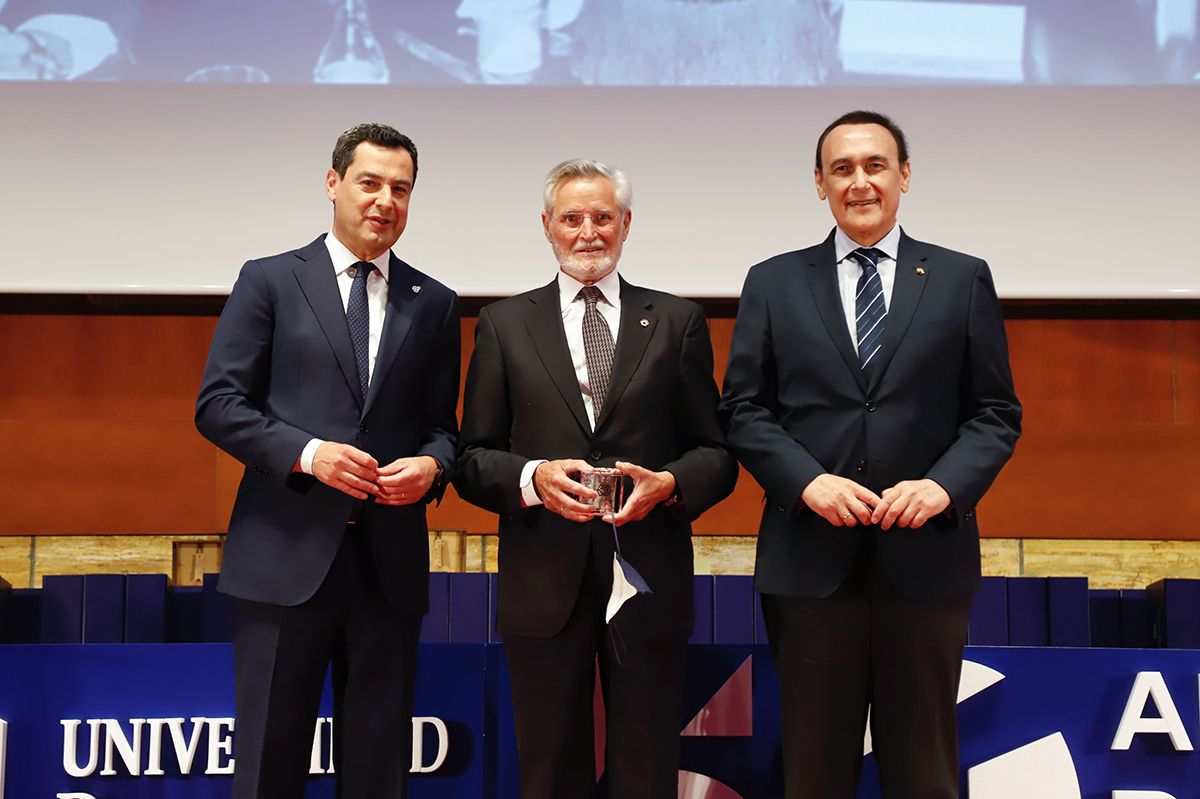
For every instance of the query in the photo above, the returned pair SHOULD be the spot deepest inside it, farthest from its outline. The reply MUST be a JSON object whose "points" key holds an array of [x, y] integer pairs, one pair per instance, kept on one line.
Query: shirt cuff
{"points": [[91, 40], [307, 455], [529, 497]]}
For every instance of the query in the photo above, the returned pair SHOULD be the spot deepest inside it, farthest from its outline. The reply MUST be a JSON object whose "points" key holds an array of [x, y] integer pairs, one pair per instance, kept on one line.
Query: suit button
{"points": [[871, 407], [596, 455], [362, 428], [861, 467]]}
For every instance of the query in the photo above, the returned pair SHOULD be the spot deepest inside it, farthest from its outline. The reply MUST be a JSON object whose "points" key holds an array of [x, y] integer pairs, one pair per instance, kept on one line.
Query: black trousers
{"points": [[552, 681], [280, 659], [867, 648]]}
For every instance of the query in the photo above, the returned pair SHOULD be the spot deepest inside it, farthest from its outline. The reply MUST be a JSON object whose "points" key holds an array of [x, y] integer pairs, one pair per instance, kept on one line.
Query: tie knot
{"points": [[868, 256], [363, 269], [591, 295]]}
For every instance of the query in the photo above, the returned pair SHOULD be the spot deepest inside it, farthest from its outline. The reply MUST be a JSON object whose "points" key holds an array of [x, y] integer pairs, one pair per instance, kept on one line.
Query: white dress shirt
{"points": [[377, 291], [848, 272], [573, 307]]}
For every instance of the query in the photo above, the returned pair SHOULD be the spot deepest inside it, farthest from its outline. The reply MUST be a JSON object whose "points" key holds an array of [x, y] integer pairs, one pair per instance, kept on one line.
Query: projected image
{"points": [[602, 42]]}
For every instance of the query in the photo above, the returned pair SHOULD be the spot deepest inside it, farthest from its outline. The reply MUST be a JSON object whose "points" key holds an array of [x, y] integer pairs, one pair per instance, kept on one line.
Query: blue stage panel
{"points": [[1175, 604], [1105, 613], [702, 632], [733, 609], [1027, 611], [103, 608], [145, 608], [469, 608], [988, 625], [1068, 612], [62, 609], [435, 628]]}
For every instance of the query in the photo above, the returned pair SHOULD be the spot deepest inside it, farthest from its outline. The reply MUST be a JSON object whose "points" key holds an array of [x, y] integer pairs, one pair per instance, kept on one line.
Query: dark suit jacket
{"points": [[281, 371], [523, 402], [939, 404]]}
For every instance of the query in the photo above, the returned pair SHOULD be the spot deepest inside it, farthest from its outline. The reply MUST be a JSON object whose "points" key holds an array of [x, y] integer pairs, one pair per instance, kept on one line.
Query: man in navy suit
{"points": [[869, 393], [333, 376]]}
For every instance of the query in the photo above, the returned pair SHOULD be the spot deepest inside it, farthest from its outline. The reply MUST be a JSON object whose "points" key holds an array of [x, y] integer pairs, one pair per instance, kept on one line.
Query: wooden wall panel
{"points": [[1187, 375], [104, 476], [96, 416], [101, 367], [1088, 370], [1081, 480]]}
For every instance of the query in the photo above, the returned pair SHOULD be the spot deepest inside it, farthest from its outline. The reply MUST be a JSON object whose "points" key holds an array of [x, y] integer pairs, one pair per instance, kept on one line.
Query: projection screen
{"points": [[152, 147]]}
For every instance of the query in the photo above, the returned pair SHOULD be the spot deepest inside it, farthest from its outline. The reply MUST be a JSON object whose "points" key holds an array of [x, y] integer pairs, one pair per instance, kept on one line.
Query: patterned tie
{"points": [[358, 318], [870, 311], [597, 347]]}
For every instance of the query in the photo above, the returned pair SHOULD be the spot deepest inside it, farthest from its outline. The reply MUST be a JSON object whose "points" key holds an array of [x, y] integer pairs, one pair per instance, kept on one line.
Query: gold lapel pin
{"points": [[921, 271], [416, 289], [645, 323]]}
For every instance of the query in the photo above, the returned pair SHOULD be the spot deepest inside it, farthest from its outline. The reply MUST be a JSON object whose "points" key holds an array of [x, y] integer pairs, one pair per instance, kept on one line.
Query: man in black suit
{"points": [[546, 398], [333, 376], [869, 393]]}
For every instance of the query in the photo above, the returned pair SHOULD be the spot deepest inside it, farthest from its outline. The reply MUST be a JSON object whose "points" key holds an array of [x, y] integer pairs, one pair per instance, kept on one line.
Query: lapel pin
{"points": [[920, 271], [644, 323], [416, 289]]}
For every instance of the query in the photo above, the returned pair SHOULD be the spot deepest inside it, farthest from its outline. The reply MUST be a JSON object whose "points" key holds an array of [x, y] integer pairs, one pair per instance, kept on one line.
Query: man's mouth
{"points": [[862, 203]]}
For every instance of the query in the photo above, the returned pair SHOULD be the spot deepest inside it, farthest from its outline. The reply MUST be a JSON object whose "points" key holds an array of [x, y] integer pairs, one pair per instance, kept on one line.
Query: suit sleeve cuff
{"points": [[529, 497]]}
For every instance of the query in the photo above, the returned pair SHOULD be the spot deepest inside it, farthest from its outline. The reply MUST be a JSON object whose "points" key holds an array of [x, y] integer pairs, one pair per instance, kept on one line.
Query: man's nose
{"points": [[859, 179]]}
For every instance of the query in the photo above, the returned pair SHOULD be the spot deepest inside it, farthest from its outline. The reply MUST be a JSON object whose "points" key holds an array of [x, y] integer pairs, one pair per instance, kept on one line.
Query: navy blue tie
{"points": [[358, 318], [870, 311]]}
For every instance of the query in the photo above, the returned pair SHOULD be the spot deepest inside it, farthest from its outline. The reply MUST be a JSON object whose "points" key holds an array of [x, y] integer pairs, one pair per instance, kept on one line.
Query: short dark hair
{"points": [[373, 133], [866, 118]]}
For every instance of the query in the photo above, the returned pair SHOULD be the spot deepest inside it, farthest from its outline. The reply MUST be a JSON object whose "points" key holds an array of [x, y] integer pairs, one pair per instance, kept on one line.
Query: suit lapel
{"points": [[638, 321], [906, 294], [319, 285], [404, 285], [544, 322], [823, 281]]}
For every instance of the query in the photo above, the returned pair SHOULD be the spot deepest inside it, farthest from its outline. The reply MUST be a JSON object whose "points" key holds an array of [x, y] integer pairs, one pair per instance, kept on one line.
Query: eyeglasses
{"points": [[601, 220]]}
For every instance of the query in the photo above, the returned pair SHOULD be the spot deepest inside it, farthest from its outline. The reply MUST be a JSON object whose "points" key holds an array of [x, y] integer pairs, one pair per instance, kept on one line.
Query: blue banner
{"points": [[155, 721]]}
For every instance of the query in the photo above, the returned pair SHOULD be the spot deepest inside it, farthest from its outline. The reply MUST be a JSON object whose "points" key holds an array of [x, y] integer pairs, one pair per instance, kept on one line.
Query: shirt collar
{"points": [[343, 259], [569, 287], [889, 244]]}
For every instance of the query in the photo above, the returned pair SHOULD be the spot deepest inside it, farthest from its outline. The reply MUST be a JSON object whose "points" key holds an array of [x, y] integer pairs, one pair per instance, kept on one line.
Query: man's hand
{"points": [[840, 501], [554, 484], [346, 468], [910, 503], [406, 480], [649, 489]]}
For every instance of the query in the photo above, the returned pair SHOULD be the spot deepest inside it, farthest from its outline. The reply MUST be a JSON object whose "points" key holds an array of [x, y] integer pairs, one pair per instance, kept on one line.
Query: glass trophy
{"points": [[609, 488], [352, 54]]}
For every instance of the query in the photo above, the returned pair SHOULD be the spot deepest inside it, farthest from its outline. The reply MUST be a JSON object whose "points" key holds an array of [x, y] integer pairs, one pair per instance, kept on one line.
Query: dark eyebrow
{"points": [[380, 178]]}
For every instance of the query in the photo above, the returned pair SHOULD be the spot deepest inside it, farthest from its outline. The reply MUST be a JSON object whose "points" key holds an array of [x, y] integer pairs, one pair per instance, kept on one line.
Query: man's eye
{"points": [[571, 220], [603, 219]]}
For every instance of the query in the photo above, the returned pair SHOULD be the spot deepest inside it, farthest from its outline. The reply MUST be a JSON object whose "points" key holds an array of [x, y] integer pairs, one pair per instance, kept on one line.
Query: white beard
{"points": [[588, 270]]}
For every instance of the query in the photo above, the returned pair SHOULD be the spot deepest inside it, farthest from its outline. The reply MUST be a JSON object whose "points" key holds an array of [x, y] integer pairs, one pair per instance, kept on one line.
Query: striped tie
{"points": [[598, 347], [870, 311]]}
